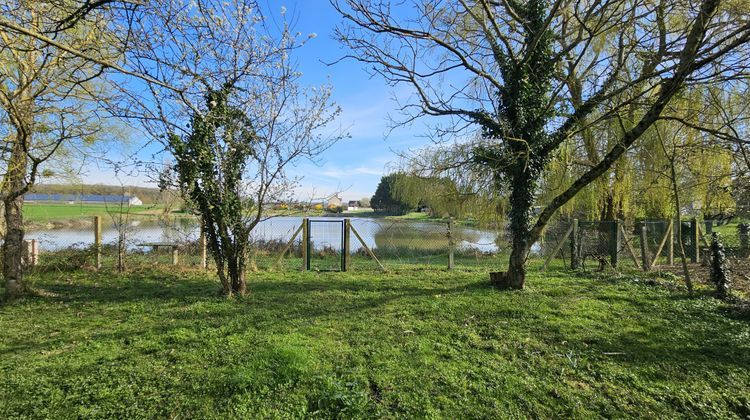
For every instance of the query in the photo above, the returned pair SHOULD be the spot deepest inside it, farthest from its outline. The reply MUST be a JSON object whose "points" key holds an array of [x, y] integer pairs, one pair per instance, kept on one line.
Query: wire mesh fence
{"points": [[324, 244]]}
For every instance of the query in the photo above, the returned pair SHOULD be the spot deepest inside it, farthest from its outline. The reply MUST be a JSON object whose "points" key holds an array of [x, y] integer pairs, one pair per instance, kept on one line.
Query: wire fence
{"points": [[331, 244]]}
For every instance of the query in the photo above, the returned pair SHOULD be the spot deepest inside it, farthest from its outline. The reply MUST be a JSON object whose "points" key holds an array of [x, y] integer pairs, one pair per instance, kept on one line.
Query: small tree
{"points": [[229, 107]]}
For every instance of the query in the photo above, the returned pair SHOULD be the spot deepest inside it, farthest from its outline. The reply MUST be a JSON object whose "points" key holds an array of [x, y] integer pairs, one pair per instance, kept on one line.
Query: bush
{"points": [[334, 209]]}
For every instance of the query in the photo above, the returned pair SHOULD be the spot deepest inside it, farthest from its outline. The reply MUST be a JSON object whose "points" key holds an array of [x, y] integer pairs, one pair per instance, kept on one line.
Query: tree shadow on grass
{"points": [[128, 287]]}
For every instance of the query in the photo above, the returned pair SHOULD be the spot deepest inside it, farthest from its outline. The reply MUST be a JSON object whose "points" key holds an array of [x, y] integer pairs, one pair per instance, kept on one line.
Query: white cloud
{"points": [[343, 173]]}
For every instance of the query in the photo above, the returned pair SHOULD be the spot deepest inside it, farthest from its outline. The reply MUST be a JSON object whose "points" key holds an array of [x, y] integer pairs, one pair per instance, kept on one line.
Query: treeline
{"points": [[440, 196], [147, 195]]}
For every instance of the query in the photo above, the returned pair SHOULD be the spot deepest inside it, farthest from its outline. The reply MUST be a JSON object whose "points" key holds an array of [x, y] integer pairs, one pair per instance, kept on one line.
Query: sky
{"points": [[353, 167]]}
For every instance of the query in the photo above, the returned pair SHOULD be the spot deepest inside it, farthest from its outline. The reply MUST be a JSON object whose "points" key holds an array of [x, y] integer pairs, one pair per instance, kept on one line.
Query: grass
{"points": [[47, 212], [414, 216], [407, 343]]}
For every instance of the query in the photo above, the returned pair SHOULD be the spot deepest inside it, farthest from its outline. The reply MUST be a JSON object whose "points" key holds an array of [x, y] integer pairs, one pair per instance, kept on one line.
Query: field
{"points": [[408, 343], [46, 212]]}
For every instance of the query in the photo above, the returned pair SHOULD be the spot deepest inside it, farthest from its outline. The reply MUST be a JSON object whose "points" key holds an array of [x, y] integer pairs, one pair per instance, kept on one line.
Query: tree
{"points": [[228, 105], [384, 201], [48, 100], [364, 202], [532, 74], [437, 177]]}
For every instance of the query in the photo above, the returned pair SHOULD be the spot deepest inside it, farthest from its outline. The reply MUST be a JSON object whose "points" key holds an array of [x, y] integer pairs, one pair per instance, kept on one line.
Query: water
{"points": [[376, 233]]}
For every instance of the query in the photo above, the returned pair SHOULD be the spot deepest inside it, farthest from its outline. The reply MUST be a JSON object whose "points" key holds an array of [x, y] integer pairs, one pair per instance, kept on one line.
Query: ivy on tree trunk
{"points": [[210, 163]]}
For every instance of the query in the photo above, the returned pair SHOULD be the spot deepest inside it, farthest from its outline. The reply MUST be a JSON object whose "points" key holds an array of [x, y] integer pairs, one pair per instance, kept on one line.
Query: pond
{"points": [[376, 233]]}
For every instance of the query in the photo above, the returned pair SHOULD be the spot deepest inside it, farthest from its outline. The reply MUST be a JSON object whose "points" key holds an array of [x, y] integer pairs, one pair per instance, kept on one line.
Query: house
{"points": [[83, 199], [353, 205], [334, 201]]}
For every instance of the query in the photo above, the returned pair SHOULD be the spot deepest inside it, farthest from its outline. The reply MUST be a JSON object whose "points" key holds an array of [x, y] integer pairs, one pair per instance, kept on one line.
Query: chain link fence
{"points": [[325, 244]]}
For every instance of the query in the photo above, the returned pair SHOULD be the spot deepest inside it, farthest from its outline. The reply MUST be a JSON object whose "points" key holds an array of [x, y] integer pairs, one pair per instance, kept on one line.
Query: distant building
{"points": [[353, 205], [334, 201], [83, 199]]}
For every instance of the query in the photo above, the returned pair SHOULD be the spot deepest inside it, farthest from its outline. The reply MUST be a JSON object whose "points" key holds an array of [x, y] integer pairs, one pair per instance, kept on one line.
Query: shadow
{"points": [[110, 287]]}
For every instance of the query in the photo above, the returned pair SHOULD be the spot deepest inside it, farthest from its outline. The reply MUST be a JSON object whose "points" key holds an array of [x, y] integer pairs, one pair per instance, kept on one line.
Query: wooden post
{"points": [[670, 249], [289, 244], [695, 256], [615, 237], [175, 256], [347, 244], [30, 253], [450, 243], [305, 242], [644, 248], [575, 247], [557, 248], [628, 246], [98, 241], [367, 248], [204, 253], [34, 252], [663, 241]]}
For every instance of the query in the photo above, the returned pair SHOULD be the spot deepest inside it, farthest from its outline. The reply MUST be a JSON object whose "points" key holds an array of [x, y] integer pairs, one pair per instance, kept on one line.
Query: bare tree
{"points": [[532, 74]]}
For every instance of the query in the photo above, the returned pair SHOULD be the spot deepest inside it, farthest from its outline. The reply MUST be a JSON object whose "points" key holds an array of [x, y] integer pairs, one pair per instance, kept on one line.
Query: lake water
{"points": [[376, 233]]}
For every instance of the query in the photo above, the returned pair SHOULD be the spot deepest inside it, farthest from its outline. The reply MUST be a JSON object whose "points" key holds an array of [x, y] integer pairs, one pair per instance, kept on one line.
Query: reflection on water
{"points": [[376, 233]]}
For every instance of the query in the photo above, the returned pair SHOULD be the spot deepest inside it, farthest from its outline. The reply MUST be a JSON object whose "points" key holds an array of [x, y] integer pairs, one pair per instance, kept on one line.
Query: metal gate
{"points": [[325, 245]]}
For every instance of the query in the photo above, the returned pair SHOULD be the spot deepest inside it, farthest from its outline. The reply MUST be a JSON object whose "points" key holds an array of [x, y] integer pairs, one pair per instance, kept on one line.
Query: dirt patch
{"points": [[700, 274]]}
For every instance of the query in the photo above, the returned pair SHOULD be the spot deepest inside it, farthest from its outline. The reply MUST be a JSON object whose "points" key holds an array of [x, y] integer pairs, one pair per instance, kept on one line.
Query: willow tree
{"points": [[48, 101], [504, 67], [227, 103], [437, 178]]}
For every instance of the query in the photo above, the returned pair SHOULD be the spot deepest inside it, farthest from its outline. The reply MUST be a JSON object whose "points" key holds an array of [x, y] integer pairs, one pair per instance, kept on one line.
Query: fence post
{"points": [[615, 236], [575, 247], [204, 253], [98, 241], [670, 249], [175, 255], [450, 243], [30, 254], [695, 238], [305, 241], [645, 260], [347, 244]]}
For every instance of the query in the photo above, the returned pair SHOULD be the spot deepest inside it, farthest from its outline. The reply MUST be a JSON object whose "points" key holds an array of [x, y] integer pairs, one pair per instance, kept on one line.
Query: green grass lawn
{"points": [[45, 212], [408, 343]]}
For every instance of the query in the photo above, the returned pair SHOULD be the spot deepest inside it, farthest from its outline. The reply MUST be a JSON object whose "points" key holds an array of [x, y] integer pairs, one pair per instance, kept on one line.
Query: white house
{"points": [[334, 201], [135, 201], [352, 205]]}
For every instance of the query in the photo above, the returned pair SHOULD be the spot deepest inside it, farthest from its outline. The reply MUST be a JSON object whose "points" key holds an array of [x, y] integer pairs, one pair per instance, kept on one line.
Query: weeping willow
{"points": [[638, 186]]}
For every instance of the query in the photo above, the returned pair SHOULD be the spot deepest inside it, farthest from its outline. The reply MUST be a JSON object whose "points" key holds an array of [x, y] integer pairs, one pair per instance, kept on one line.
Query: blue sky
{"points": [[354, 165]]}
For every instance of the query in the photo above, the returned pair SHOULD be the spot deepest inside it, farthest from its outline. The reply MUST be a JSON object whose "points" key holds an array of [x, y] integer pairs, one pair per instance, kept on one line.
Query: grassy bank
{"points": [[409, 343], [47, 212]]}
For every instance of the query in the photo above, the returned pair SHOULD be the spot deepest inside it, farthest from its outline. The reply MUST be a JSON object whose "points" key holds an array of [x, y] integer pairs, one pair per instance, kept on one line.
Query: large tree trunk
{"points": [[230, 262], [237, 271], [522, 200], [13, 248], [15, 186], [517, 265]]}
